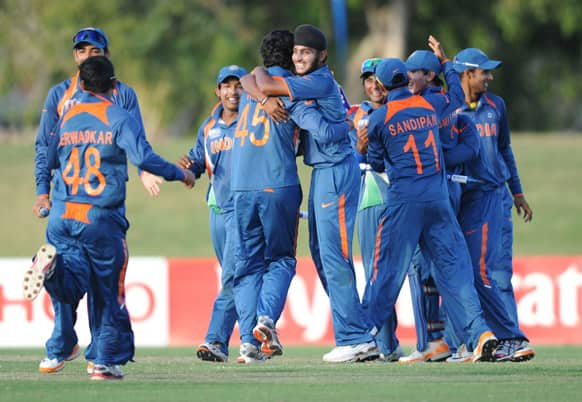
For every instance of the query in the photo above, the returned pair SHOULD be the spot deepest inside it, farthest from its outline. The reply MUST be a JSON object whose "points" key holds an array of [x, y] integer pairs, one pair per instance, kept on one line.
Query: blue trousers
{"points": [[63, 338], [429, 315], [333, 199], [503, 271], [368, 221], [92, 258], [428, 319], [482, 219], [266, 225], [223, 315], [434, 227]]}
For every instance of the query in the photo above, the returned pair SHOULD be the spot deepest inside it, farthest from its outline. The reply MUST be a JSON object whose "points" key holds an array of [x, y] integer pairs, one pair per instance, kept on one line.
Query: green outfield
{"points": [[175, 223], [174, 374]]}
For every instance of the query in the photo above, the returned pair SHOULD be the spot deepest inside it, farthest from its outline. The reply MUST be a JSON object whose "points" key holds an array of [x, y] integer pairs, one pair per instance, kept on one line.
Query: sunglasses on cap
{"points": [[369, 65], [90, 35]]}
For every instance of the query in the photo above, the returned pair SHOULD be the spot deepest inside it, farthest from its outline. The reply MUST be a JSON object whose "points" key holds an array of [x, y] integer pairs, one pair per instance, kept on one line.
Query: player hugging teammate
{"points": [[389, 161]]}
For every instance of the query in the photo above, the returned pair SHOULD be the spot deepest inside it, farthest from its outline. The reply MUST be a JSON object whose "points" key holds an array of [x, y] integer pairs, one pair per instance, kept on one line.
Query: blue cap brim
{"points": [[491, 65], [94, 43], [221, 80]]}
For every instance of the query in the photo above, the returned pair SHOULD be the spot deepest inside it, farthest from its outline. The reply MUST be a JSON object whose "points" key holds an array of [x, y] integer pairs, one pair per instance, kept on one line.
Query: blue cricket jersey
{"points": [[59, 99], [460, 142], [91, 146], [403, 140], [446, 103], [264, 151], [322, 87], [211, 153], [496, 164]]}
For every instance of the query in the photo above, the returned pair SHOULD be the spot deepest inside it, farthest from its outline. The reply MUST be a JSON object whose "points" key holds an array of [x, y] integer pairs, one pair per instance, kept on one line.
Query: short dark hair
{"points": [[97, 74], [277, 49]]}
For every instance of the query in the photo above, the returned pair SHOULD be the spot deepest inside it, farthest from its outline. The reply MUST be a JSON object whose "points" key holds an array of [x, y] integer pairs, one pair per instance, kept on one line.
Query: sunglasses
{"points": [[369, 65], [90, 35]]}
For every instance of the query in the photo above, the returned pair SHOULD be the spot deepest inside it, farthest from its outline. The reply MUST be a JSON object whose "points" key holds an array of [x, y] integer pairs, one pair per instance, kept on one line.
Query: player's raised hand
{"points": [[189, 178], [436, 47], [151, 183], [41, 206], [522, 206]]}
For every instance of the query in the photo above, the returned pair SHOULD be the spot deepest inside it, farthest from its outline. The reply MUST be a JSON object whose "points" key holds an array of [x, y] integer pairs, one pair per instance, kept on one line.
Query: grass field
{"points": [[176, 375], [176, 223]]}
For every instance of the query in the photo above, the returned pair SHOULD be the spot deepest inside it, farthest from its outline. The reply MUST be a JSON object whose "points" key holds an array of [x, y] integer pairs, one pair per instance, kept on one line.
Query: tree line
{"points": [[170, 51]]}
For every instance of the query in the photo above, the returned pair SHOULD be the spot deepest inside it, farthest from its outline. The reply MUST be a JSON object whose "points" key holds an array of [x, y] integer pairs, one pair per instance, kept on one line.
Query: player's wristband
{"points": [[265, 99]]}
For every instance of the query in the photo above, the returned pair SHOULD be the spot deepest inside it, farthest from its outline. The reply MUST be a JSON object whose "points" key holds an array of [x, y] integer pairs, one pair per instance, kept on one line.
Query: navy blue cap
{"points": [[230, 71], [423, 60], [392, 73], [93, 36], [471, 58]]}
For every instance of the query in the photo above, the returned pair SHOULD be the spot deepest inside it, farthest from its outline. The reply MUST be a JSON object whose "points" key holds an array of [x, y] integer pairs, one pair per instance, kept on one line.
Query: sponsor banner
{"points": [[548, 290], [170, 302], [24, 323]]}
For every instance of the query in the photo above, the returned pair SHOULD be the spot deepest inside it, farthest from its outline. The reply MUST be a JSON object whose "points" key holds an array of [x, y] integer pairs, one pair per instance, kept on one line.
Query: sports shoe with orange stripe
{"points": [[106, 372], [485, 348], [55, 365], [435, 351], [266, 333]]}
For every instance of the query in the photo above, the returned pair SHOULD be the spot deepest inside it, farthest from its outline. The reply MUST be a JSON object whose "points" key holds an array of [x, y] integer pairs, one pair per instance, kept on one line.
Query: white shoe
{"points": [[42, 268], [49, 366], [211, 352], [394, 356], [90, 367], [249, 354], [352, 353], [104, 372], [435, 351], [55, 365], [462, 355]]}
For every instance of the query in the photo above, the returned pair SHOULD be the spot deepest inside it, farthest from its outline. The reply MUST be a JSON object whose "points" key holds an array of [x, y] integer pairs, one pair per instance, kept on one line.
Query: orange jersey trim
{"points": [[206, 130], [99, 110], [489, 101], [121, 282], [277, 78], [68, 94], [342, 226], [399, 105], [77, 211], [482, 264], [377, 251]]}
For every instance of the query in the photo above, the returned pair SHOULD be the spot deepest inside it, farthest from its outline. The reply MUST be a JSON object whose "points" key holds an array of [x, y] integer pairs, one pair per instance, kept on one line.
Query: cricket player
{"points": [[482, 213], [403, 141], [460, 143], [86, 229], [372, 200], [267, 196], [333, 194], [62, 346], [211, 154]]}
